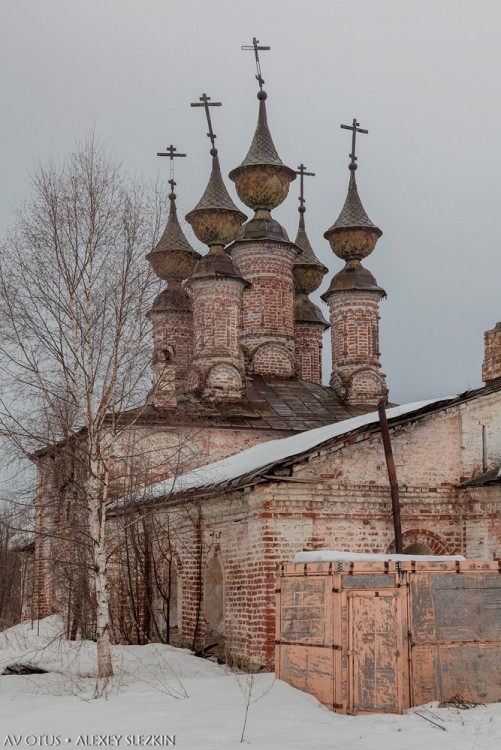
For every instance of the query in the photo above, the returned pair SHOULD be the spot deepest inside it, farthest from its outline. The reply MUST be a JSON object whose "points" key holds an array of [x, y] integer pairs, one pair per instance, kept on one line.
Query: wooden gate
{"points": [[376, 659], [366, 637]]}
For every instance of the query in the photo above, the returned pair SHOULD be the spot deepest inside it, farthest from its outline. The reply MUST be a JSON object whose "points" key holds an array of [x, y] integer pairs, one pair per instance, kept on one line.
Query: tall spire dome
{"points": [[264, 253], [262, 180], [308, 270], [353, 298], [353, 235], [309, 323], [172, 259], [215, 219], [217, 369]]}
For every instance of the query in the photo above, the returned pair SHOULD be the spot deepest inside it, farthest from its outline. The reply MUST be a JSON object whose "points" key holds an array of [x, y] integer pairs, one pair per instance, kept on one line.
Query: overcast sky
{"points": [[422, 76]]}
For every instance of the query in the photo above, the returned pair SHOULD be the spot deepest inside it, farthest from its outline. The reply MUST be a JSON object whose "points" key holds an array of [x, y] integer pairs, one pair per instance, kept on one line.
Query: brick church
{"points": [[242, 456]]}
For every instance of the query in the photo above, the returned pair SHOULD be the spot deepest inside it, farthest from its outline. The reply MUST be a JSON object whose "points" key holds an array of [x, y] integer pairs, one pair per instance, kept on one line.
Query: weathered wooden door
{"points": [[376, 665]]}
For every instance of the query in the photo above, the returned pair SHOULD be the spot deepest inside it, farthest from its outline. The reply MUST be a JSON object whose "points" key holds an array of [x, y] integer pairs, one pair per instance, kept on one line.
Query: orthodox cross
{"points": [[301, 171], [355, 129], [206, 103], [255, 46], [169, 151]]}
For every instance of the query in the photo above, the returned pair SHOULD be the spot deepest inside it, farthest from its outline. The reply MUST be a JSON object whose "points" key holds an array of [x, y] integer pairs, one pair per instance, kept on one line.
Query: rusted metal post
{"points": [[392, 475]]}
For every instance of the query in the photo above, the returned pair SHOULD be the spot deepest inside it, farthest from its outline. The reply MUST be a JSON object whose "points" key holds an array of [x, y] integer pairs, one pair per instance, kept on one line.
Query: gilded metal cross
{"points": [[255, 46], [206, 103], [355, 129]]}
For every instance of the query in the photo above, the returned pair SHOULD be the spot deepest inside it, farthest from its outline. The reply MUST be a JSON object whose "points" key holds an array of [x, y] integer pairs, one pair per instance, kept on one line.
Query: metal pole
{"points": [[392, 476]]}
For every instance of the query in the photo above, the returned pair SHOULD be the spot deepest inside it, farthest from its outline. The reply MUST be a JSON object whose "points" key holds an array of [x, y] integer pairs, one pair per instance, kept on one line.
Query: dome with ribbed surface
{"points": [[262, 179], [216, 220], [216, 195], [353, 214], [262, 149], [353, 234], [308, 271], [173, 257]]}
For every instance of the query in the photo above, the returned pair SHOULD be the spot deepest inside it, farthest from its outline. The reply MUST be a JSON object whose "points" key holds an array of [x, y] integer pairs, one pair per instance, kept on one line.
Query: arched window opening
{"points": [[167, 600], [214, 595]]}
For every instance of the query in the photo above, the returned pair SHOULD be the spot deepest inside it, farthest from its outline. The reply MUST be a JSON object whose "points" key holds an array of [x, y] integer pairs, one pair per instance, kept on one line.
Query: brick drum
{"points": [[268, 306]]}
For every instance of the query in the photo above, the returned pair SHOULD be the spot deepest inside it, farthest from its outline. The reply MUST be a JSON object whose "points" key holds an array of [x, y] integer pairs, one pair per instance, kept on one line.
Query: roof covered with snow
{"points": [[242, 467], [333, 555]]}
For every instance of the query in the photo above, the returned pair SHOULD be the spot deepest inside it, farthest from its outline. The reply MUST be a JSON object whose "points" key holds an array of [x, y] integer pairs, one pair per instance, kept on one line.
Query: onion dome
{"points": [[215, 219], [262, 179], [173, 258], [308, 271], [353, 234]]}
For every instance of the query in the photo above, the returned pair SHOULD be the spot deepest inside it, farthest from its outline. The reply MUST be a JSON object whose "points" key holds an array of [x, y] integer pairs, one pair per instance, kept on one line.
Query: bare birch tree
{"points": [[74, 345]]}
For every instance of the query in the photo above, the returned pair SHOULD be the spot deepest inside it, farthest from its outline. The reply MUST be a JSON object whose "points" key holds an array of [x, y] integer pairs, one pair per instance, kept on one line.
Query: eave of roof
{"points": [[254, 464], [483, 480]]}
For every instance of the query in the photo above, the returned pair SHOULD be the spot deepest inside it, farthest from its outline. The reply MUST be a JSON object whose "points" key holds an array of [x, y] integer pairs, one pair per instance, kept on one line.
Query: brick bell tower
{"points": [[353, 298], [172, 259], [264, 253], [217, 370]]}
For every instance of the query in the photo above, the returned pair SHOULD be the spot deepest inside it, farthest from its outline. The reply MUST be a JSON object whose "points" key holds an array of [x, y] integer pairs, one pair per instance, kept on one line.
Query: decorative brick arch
{"points": [[223, 378], [422, 536], [366, 386], [169, 550], [214, 594], [273, 359], [168, 575]]}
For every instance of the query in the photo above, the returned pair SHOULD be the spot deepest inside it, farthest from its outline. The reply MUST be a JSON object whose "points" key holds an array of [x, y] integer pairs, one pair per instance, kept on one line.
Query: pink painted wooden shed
{"points": [[373, 636]]}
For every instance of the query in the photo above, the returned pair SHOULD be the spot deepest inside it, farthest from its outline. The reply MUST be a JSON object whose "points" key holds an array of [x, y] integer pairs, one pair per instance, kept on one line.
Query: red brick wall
{"points": [[217, 320], [491, 367], [345, 504], [174, 329], [308, 351], [268, 306], [354, 318]]}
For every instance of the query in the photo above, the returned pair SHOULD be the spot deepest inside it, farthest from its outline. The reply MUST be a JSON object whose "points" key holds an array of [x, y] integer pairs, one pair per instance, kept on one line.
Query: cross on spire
{"points": [[206, 103], [255, 46], [301, 170], [169, 151], [355, 129]]}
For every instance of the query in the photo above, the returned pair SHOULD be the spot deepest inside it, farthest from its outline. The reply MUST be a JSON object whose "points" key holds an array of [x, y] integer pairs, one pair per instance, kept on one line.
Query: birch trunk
{"points": [[97, 529]]}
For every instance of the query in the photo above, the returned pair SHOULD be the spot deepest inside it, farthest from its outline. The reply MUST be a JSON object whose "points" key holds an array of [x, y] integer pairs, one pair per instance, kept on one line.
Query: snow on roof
{"points": [[266, 454], [333, 555]]}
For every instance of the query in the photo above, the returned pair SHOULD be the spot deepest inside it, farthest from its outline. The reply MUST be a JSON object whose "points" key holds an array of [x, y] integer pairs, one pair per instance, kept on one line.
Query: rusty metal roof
{"points": [[353, 214], [305, 311], [217, 264], [353, 276], [175, 297], [259, 228], [268, 404], [483, 480]]}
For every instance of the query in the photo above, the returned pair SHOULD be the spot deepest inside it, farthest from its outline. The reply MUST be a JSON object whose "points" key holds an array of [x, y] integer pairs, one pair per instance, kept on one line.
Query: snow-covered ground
{"points": [[162, 695]]}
